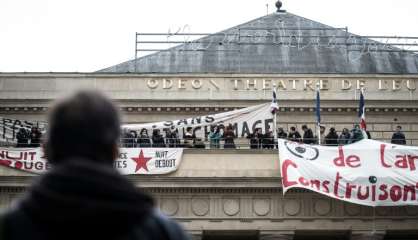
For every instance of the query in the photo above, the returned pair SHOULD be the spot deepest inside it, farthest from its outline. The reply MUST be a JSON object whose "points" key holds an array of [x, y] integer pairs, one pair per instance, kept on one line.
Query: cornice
{"points": [[210, 109]]}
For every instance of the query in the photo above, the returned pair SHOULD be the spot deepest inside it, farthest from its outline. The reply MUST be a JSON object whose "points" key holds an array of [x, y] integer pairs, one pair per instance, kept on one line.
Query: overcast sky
{"points": [[88, 35]]}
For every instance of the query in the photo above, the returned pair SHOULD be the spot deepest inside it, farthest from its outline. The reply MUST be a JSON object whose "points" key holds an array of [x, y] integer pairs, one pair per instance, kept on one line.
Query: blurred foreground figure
{"points": [[83, 196]]}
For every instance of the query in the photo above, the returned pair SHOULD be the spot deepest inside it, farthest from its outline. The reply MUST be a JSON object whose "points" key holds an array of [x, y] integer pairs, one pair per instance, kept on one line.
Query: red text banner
{"points": [[368, 172]]}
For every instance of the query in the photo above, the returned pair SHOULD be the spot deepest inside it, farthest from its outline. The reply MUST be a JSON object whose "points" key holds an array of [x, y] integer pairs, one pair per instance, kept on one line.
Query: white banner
{"points": [[368, 172], [144, 161], [243, 121]]}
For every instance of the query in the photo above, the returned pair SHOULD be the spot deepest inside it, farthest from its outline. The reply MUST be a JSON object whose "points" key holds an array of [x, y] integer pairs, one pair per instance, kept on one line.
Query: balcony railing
{"points": [[239, 143]]}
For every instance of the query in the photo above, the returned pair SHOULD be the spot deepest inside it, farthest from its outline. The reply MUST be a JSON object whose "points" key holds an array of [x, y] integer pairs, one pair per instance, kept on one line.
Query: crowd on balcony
{"points": [[224, 137], [30, 138]]}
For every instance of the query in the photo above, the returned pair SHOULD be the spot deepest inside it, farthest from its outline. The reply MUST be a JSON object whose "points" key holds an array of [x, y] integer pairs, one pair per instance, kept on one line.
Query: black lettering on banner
{"points": [[197, 120], [196, 129], [165, 163], [161, 154], [28, 124], [268, 124], [123, 156], [120, 164], [255, 124], [209, 119], [168, 123], [245, 129], [39, 165], [184, 121]]}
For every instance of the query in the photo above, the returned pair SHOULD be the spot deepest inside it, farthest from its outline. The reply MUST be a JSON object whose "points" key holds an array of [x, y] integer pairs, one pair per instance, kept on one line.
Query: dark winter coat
{"points": [[82, 200]]}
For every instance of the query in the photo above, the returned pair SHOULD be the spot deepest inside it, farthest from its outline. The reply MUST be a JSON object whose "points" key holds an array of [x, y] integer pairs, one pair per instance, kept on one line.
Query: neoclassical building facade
{"points": [[237, 194]]}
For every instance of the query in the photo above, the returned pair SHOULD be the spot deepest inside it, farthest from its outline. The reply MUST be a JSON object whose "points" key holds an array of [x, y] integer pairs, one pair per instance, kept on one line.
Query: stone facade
{"points": [[236, 194], [391, 100]]}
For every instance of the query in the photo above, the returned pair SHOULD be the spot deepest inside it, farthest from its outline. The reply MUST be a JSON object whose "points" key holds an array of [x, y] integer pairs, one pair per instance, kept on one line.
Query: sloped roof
{"points": [[264, 48]]}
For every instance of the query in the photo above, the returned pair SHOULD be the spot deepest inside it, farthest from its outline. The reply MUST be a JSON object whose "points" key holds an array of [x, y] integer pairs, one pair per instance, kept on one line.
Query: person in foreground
{"points": [[83, 196]]}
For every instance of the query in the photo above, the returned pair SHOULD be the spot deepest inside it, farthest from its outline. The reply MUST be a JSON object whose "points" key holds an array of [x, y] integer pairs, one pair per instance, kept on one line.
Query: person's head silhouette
{"points": [[83, 127]]}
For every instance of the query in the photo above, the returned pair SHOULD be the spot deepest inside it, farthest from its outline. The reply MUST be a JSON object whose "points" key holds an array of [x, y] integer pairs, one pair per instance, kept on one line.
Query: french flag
{"points": [[274, 107], [361, 112]]}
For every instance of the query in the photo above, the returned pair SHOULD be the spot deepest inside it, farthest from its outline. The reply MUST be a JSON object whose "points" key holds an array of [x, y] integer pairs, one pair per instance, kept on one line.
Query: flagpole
{"points": [[318, 112], [273, 109], [362, 114], [275, 123]]}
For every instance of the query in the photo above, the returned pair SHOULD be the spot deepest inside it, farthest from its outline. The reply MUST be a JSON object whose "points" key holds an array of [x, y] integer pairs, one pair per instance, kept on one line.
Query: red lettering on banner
{"points": [[382, 156], [348, 188], [352, 161], [336, 184], [395, 193], [405, 161], [373, 193], [303, 181], [410, 189], [383, 188], [18, 165], [401, 161], [411, 160], [360, 195], [285, 165], [5, 162], [325, 186], [316, 183], [339, 161]]}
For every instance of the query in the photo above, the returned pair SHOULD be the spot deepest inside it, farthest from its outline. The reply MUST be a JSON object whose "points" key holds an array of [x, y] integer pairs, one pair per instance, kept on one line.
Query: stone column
{"points": [[367, 236], [276, 235]]}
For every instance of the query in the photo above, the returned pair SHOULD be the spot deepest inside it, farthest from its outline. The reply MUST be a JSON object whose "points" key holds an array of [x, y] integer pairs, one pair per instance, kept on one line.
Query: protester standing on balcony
{"points": [[35, 137], [308, 137], [229, 137], [281, 133], [331, 139], [22, 138], [128, 139], [143, 139], [356, 134], [255, 138], [83, 196], [398, 137], [157, 139], [268, 140], [294, 135], [345, 137], [214, 137]]}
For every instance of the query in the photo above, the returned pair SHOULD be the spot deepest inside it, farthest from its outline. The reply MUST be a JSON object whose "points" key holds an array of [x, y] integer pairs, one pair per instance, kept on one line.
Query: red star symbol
{"points": [[141, 161]]}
